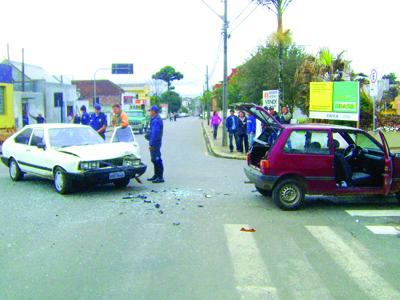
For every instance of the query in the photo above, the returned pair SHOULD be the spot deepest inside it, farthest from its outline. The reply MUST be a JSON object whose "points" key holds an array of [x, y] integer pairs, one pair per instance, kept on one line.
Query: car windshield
{"points": [[78, 136], [135, 114]]}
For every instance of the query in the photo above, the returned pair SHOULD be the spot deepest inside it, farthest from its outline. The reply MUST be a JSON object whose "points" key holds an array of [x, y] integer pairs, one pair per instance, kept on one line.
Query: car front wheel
{"points": [[289, 194], [61, 183], [15, 172], [122, 182]]}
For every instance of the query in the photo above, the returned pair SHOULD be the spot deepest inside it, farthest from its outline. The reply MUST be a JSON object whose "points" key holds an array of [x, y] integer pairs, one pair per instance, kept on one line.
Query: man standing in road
{"points": [[98, 121], [119, 118], [232, 124], [154, 136], [39, 119], [85, 117]]}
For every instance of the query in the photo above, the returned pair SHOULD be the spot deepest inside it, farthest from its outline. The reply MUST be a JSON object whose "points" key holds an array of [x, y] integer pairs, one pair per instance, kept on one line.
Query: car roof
{"points": [[320, 126], [55, 125]]}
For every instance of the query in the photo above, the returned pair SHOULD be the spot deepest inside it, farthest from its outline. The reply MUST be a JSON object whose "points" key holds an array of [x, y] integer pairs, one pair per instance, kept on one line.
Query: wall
{"points": [[7, 119]]}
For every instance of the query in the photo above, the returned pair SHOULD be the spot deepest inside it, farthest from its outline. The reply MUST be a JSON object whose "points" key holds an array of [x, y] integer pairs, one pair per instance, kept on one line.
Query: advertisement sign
{"points": [[271, 98], [373, 87], [335, 100]]}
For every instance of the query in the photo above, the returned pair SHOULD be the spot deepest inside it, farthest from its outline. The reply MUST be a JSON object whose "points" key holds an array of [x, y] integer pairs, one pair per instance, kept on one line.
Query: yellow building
{"points": [[136, 94], [7, 121]]}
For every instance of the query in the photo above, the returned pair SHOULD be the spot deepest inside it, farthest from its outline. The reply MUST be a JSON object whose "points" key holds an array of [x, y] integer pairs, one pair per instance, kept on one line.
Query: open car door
{"points": [[388, 170], [123, 135]]}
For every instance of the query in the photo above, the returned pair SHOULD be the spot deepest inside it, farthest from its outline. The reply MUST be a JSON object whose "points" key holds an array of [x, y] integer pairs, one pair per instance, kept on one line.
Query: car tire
{"points": [[14, 171], [61, 183], [264, 192], [121, 183], [289, 194]]}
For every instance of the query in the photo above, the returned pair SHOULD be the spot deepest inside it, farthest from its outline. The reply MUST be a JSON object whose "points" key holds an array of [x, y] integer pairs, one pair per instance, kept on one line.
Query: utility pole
{"points": [[23, 70], [225, 89], [208, 104]]}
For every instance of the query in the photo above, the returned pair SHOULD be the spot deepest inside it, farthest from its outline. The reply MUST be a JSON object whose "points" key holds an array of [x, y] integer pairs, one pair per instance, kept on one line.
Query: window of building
{"points": [[308, 142], [24, 137], [2, 102]]}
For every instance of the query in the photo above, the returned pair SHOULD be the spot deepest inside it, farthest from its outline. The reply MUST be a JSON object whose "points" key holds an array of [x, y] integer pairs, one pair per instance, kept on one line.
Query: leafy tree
{"points": [[155, 100], [392, 78], [278, 7], [168, 74], [173, 99]]}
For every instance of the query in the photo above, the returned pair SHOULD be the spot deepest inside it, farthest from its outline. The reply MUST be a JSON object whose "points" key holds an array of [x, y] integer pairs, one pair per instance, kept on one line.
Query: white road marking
{"points": [[374, 213], [385, 230], [366, 278], [252, 278]]}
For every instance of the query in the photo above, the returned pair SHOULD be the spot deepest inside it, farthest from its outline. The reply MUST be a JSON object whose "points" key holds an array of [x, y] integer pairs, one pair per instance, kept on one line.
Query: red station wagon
{"points": [[289, 161]]}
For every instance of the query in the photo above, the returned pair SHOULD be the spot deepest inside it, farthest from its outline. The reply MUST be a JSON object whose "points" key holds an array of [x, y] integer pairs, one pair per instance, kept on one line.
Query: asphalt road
{"points": [[96, 245]]}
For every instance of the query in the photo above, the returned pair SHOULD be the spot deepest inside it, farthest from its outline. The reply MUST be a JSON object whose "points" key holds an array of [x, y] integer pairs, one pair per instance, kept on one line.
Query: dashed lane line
{"points": [[366, 278], [374, 213], [384, 230]]}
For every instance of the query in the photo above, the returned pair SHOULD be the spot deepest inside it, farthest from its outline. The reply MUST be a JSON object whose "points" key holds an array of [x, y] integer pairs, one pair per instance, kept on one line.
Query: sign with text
{"points": [[271, 98], [335, 100], [122, 69]]}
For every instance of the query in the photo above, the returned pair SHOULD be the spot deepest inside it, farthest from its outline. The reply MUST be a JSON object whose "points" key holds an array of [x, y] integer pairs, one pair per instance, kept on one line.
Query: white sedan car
{"points": [[68, 154]]}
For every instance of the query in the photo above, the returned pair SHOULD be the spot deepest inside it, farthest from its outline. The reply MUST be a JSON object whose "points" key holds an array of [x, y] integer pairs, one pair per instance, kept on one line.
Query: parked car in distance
{"points": [[68, 154], [289, 161], [138, 120]]}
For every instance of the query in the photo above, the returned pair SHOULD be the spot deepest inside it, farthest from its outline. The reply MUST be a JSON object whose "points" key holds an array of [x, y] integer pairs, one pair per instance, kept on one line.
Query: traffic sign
{"points": [[373, 76], [122, 69], [373, 87]]}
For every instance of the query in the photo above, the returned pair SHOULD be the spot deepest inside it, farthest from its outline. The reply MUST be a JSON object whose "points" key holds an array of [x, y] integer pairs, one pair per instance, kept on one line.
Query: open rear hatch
{"points": [[267, 134]]}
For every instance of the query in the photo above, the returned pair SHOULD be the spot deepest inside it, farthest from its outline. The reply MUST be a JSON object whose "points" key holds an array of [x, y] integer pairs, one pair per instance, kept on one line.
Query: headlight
{"points": [[131, 162], [90, 165]]}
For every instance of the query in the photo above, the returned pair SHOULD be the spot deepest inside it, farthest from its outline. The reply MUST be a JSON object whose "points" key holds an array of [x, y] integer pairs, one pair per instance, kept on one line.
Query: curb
{"points": [[211, 148]]}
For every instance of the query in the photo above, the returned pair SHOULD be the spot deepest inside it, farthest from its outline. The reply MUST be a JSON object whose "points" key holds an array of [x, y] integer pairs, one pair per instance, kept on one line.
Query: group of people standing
{"points": [[241, 128]]}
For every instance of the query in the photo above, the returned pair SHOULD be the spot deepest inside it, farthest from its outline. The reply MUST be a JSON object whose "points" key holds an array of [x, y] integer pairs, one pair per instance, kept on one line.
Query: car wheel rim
{"points": [[58, 181], [13, 169], [290, 194]]}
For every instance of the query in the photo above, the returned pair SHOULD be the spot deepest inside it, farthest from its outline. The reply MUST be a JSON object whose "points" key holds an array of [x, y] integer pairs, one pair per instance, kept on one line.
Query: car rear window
{"points": [[308, 142]]}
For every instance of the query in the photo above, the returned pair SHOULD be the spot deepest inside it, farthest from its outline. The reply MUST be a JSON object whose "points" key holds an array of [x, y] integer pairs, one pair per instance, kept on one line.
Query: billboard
{"points": [[335, 100], [271, 98]]}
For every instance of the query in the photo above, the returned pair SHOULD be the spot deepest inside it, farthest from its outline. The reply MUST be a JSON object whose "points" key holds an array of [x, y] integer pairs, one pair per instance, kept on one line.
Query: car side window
{"points": [[308, 142], [37, 137], [24, 137]]}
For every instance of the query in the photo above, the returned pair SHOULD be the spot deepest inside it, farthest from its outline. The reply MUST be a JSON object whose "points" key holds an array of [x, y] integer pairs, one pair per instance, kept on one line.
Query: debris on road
{"points": [[176, 223], [161, 211], [147, 201], [243, 229], [200, 205], [207, 196], [157, 205]]}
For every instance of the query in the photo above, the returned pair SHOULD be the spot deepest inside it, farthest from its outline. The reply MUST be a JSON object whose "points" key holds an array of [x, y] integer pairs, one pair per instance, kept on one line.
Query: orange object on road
{"points": [[247, 229]]}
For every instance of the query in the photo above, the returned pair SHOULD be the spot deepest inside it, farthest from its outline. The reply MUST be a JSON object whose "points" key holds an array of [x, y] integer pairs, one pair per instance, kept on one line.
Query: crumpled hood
{"points": [[102, 151]]}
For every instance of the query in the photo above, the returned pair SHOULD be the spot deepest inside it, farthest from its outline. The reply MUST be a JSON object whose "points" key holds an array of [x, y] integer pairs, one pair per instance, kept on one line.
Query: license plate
{"points": [[116, 175]]}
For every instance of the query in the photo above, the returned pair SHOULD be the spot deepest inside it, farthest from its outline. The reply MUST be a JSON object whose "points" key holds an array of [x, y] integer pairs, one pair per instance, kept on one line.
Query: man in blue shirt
{"points": [[232, 124], [251, 127], [98, 121], [25, 119], [154, 136], [85, 117]]}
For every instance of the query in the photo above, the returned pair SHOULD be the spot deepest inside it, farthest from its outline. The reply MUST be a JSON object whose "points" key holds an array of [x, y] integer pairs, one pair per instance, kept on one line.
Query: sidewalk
{"points": [[214, 146]]}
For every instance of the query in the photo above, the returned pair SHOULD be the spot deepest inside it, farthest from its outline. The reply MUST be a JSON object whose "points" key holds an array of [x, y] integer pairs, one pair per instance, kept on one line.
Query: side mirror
{"points": [[41, 146]]}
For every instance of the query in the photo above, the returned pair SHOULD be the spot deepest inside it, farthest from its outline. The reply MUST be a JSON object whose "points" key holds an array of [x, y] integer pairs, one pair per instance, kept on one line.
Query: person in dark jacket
{"points": [[232, 124], [242, 133], [25, 119], [77, 118], [85, 117], [154, 136], [285, 116], [98, 121], [39, 119]]}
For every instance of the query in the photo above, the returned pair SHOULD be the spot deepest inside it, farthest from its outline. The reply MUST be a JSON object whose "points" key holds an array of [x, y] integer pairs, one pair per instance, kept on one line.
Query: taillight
{"points": [[264, 166]]}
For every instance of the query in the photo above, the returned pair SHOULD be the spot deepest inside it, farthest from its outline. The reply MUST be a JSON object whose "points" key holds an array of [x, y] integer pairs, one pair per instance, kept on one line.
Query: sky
{"points": [[77, 37]]}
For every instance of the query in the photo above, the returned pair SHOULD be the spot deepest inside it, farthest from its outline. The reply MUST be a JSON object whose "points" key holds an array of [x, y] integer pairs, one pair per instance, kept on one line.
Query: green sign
{"points": [[345, 97]]}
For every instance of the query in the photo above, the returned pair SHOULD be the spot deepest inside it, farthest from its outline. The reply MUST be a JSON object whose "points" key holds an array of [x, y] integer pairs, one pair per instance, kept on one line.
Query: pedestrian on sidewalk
{"points": [[232, 124], [215, 122], [154, 136], [98, 121], [251, 128], [242, 133]]}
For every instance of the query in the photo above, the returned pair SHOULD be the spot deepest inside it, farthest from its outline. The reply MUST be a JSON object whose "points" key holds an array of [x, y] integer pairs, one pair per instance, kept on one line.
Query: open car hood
{"points": [[102, 151], [260, 113]]}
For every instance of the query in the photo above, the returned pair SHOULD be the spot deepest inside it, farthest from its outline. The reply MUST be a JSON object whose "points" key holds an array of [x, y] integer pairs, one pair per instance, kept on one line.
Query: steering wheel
{"points": [[352, 152]]}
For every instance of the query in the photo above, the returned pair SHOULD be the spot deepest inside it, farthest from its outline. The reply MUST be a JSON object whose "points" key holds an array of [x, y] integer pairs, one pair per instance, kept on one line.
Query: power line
{"points": [[212, 9], [242, 12], [214, 66], [241, 22]]}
